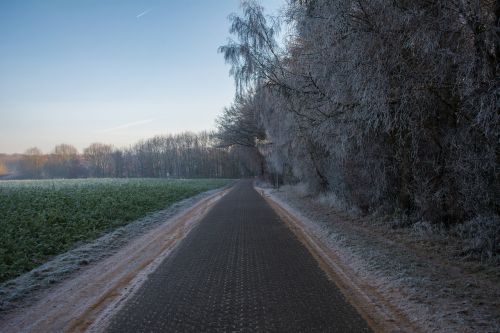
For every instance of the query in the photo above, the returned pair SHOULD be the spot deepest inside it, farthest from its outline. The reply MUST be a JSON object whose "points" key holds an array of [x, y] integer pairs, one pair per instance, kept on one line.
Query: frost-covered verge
{"points": [[27, 287], [477, 239], [417, 270]]}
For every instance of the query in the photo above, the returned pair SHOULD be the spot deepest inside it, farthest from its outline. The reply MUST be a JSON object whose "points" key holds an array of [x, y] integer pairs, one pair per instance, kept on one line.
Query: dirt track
{"points": [[240, 269]]}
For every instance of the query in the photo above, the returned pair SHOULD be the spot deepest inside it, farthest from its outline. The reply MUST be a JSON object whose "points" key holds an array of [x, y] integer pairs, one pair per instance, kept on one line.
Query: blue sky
{"points": [[111, 71]]}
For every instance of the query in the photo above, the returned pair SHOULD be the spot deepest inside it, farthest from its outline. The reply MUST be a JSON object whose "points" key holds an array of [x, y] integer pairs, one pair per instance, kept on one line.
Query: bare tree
{"points": [[32, 163], [63, 162], [100, 159], [3, 168]]}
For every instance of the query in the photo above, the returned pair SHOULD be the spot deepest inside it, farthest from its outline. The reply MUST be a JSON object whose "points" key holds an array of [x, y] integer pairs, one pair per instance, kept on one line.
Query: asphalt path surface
{"points": [[240, 270]]}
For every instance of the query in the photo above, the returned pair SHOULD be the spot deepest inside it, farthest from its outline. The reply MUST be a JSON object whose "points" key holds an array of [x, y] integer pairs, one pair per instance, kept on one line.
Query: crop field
{"points": [[42, 218]]}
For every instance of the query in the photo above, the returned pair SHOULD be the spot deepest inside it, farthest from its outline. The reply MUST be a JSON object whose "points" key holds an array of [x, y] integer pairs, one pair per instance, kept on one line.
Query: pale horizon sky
{"points": [[111, 71]]}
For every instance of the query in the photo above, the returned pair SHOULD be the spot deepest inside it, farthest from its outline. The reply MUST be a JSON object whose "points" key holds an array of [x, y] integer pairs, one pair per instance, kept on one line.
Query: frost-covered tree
{"points": [[386, 105], [240, 124]]}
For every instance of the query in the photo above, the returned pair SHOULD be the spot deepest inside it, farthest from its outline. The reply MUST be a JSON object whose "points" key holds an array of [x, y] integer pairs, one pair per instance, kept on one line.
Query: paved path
{"points": [[240, 270]]}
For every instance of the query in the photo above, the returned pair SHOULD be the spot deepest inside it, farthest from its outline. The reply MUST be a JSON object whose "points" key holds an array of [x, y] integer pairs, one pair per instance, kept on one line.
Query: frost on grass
{"points": [[482, 237], [44, 218], [435, 292], [24, 287]]}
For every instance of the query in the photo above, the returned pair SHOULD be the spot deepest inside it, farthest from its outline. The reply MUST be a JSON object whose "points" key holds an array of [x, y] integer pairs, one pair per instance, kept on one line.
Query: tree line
{"points": [[185, 155], [387, 106]]}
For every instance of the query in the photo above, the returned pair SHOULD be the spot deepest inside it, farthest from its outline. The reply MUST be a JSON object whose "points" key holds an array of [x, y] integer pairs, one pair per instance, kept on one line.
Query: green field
{"points": [[43, 218]]}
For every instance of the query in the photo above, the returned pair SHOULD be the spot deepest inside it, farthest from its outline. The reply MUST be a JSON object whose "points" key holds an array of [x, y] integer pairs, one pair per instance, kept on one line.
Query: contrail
{"points": [[135, 123], [143, 13]]}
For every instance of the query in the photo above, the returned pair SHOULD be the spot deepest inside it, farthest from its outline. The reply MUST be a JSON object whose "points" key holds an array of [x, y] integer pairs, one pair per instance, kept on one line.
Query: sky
{"points": [[111, 71]]}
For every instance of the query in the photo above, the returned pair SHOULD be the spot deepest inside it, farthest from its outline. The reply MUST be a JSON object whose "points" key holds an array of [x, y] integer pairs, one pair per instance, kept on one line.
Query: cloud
{"points": [[143, 13], [124, 126]]}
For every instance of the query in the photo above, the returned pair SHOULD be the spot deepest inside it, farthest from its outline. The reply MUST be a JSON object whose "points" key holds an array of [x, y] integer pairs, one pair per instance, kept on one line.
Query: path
{"points": [[240, 269]]}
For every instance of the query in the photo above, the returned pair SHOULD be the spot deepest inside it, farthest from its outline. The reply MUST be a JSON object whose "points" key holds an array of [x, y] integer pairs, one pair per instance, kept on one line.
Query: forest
{"points": [[389, 107], [185, 155]]}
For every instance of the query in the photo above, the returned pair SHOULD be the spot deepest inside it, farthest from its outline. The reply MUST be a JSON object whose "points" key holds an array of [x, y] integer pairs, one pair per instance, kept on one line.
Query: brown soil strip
{"points": [[375, 309], [87, 301]]}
